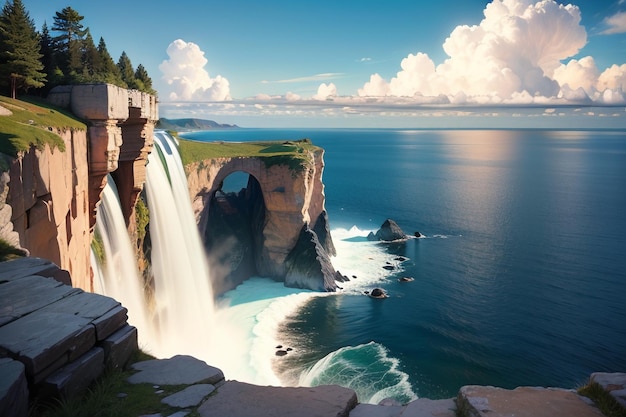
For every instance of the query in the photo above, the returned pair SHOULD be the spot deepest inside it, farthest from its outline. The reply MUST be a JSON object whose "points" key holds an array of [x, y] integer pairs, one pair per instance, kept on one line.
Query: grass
{"points": [[8, 251], [294, 154], [603, 400], [30, 124], [112, 396]]}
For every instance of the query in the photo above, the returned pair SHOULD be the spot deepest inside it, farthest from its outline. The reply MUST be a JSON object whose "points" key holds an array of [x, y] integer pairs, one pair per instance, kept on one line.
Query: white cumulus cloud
{"points": [[186, 76], [514, 55], [325, 91]]}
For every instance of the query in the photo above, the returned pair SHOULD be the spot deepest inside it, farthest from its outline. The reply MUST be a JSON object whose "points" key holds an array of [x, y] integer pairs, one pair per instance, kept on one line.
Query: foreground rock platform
{"points": [[239, 399], [63, 336], [485, 401]]}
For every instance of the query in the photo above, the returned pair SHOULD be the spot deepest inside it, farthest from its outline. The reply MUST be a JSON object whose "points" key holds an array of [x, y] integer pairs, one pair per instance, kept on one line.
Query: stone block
{"points": [[74, 377], [238, 399], [21, 297], [105, 313], [60, 96], [119, 347], [180, 369], [43, 340], [99, 102], [486, 401], [13, 389]]}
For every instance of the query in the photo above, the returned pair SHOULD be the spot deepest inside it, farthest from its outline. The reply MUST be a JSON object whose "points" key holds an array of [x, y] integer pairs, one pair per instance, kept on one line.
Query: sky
{"points": [[365, 63]]}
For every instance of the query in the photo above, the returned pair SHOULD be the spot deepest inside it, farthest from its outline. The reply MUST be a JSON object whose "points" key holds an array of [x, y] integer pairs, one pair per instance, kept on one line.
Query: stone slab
{"points": [[238, 399], [373, 410], [486, 401], [23, 296], [119, 347], [13, 389], [41, 339], [190, 396], [21, 267], [75, 377], [180, 369], [106, 314], [424, 407], [612, 382]]}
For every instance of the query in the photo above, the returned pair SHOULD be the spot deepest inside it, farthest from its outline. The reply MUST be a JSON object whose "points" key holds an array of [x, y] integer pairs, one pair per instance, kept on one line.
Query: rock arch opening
{"points": [[233, 235]]}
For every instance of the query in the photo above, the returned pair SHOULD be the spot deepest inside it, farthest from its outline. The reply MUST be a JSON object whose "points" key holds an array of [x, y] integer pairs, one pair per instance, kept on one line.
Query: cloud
{"points": [[325, 92], [316, 77], [615, 23], [576, 74], [186, 77], [514, 56]]}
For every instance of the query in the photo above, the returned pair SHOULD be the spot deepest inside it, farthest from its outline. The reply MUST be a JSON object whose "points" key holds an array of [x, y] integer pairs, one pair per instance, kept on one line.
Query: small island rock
{"points": [[388, 232]]}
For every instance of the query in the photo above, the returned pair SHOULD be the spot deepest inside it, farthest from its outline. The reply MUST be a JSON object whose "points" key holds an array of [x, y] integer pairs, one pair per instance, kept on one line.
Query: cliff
{"points": [[286, 245], [54, 169]]}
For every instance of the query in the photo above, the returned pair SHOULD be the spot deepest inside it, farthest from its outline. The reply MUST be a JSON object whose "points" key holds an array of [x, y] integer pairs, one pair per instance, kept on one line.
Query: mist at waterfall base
{"points": [[519, 280]]}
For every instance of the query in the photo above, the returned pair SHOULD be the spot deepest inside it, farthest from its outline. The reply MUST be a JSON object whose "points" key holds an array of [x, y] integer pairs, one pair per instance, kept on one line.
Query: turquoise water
{"points": [[520, 280]]}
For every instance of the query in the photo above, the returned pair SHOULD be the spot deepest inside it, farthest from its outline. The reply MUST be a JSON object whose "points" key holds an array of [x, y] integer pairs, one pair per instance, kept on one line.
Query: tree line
{"points": [[63, 54]]}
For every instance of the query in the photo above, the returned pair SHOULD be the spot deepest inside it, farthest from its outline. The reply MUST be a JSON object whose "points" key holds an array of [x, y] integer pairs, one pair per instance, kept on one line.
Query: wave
{"points": [[250, 315], [361, 258], [367, 369]]}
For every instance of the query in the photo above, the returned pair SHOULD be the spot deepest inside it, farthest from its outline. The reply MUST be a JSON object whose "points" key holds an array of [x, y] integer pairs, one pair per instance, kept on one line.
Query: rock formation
{"points": [[53, 194], [388, 232], [293, 238]]}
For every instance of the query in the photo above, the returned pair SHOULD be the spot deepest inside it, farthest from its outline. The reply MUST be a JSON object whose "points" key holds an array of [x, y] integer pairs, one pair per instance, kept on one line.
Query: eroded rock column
{"points": [[138, 134]]}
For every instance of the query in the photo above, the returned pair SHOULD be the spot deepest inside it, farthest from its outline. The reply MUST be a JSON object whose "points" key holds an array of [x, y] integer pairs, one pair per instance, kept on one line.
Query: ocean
{"points": [[519, 277]]}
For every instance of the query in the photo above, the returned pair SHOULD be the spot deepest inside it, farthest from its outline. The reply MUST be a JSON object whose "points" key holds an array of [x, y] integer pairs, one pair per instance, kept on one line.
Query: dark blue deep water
{"points": [[521, 279]]}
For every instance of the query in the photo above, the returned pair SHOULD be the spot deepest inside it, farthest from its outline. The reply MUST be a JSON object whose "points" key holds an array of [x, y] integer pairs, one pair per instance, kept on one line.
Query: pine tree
{"points": [[110, 72], [20, 56], [69, 43], [91, 63], [48, 58], [127, 71], [144, 82]]}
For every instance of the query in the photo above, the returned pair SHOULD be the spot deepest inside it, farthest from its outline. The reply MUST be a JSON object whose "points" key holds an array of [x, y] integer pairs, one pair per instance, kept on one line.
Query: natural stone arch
{"points": [[294, 202]]}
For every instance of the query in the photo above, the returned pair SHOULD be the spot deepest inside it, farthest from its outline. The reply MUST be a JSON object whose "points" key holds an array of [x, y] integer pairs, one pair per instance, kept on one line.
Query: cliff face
{"points": [[294, 201], [49, 196]]}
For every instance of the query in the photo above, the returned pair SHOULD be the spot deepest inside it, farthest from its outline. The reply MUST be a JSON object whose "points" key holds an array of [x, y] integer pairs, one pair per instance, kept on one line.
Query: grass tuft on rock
{"points": [[112, 396], [607, 404], [9, 252]]}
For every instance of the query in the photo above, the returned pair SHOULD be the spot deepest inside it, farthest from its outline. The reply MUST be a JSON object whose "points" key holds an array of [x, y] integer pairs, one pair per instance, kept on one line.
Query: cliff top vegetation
{"points": [[35, 62], [30, 123], [294, 154]]}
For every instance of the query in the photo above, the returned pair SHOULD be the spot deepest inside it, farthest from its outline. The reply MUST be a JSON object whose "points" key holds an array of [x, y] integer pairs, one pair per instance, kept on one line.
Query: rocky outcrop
{"points": [[53, 194], [388, 232], [294, 204], [49, 196]]}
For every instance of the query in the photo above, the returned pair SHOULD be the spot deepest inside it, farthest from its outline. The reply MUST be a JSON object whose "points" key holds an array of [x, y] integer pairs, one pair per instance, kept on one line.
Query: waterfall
{"points": [[182, 288], [119, 276], [178, 318]]}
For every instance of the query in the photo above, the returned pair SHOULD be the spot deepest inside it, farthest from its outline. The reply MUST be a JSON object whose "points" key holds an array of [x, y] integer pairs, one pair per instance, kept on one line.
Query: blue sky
{"points": [[354, 63]]}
